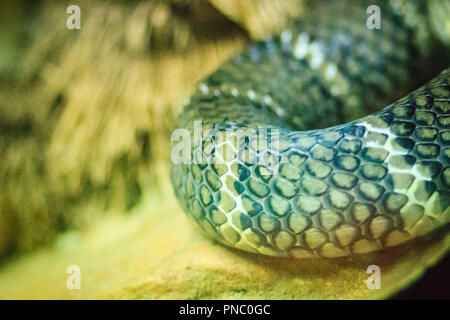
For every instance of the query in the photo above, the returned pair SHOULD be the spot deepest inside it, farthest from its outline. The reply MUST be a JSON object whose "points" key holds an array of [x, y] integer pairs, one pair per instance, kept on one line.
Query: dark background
{"points": [[435, 284]]}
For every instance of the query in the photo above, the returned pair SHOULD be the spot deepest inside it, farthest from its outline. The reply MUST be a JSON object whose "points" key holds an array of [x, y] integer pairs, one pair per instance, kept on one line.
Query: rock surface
{"points": [[156, 253]]}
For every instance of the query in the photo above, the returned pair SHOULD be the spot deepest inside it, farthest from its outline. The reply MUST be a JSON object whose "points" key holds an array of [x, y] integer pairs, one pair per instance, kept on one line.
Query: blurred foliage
{"points": [[439, 18], [260, 17], [86, 115]]}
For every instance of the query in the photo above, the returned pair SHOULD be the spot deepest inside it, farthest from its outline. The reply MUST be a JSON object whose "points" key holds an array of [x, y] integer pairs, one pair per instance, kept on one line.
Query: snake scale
{"points": [[318, 187]]}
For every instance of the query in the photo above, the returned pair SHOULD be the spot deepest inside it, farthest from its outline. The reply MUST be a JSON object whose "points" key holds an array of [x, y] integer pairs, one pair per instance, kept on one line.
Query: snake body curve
{"points": [[351, 188]]}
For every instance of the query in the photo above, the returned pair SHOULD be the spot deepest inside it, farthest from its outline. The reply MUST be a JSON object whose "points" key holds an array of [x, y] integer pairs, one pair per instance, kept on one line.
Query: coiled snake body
{"points": [[353, 188]]}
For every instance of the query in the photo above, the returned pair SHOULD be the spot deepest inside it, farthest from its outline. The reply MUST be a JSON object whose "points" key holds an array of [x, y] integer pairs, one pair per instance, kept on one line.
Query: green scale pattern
{"points": [[353, 188]]}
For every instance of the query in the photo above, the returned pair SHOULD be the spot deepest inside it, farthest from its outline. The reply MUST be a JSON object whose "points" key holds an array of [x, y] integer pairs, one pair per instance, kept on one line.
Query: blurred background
{"points": [[85, 115], [85, 123]]}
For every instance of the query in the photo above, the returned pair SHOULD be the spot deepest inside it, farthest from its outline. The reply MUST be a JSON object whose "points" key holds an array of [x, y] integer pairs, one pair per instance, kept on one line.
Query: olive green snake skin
{"points": [[352, 188]]}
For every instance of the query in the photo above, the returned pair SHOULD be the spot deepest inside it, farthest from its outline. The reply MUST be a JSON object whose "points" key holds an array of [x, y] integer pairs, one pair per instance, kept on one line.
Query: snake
{"points": [[313, 143]]}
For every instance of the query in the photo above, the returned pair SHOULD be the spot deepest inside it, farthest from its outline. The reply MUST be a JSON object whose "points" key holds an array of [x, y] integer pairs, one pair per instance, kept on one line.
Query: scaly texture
{"points": [[353, 188]]}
